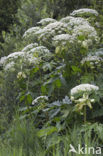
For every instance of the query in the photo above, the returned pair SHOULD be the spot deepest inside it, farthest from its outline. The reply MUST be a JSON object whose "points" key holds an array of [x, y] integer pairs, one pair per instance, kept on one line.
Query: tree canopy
{"points": [[8, 10]]}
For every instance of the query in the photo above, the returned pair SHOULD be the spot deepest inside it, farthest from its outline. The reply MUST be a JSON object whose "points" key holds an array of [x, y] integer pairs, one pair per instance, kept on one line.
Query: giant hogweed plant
{"points": [[62, 57]]}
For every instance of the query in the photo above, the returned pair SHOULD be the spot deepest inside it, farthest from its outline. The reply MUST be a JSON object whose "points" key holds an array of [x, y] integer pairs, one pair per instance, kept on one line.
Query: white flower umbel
{"points": [[84, 11], [40, 49], [63, 39], [51, 30], [93, 59], [3, 60], [20, 58], [83, 88], [88, 32], [74, 21], [30, 46], [15, 55], [55, 26], [38, 99], [77, 21], [31, 57], [41, 52], [99, 52], [46, 21], [83, 100], [66, 19], [30, 32]]}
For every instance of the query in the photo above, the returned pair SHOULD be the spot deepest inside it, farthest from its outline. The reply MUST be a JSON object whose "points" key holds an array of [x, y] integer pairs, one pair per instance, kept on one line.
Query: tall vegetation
{"points": [[51, 81]]}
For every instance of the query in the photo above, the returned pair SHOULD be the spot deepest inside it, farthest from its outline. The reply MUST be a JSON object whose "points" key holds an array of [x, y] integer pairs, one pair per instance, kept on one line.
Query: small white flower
{"points": [[72, 98], [92, 100], [21, 75], [85, 44]]}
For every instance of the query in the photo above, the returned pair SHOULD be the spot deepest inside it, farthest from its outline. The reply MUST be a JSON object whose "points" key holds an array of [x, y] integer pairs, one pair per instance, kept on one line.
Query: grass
{"points": [[22, 140]]}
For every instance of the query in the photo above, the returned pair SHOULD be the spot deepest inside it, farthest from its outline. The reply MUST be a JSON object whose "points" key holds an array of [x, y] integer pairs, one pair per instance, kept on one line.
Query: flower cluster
{"points": [[83, 88], [84, 11], [30, 55], [87, 33], [8, 61], [69, 30], [92, 59], [66, 19], [51, 30], [40, 49], [29, 47], [99, 52], [74, 21], [63, 39], [82, 34], [46, 21], [30, 32], [84, 100], [81, 31], [40, 52], [3, 60], [15, 55]]}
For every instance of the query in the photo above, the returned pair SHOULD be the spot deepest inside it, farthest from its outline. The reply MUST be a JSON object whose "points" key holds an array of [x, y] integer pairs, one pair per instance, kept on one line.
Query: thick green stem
{"points": [[85, 117]]}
